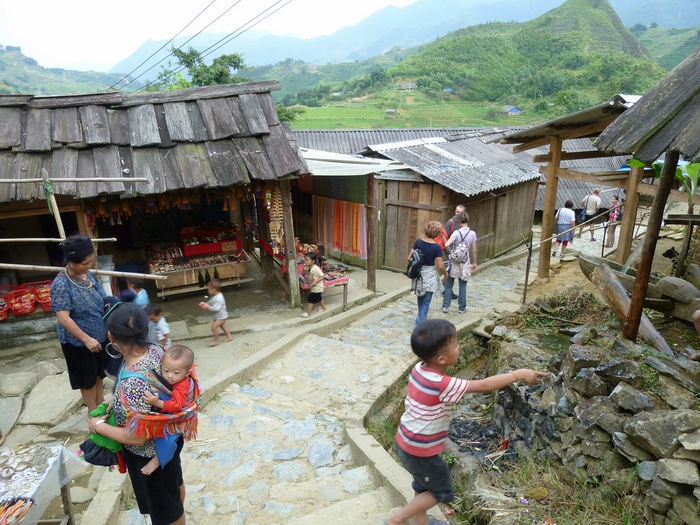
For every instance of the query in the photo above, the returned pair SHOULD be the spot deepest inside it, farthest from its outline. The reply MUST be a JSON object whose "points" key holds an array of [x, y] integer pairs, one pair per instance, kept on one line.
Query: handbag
{"points": [[582, 213]]}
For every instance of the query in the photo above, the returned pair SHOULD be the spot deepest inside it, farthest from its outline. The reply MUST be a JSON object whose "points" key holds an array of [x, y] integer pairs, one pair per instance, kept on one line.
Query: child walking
{"points": [[217, 306], [315, 275], [177, 368], [158, 327], [423, 429]]}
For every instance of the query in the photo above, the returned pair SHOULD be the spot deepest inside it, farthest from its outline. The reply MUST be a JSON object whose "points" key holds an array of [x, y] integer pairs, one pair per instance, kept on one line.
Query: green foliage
{"points": [[223, 70], [289, 114]]}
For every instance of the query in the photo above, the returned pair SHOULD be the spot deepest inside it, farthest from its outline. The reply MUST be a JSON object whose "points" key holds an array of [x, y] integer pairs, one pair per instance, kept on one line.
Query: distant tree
{"points": [[638, 28], [288, 114], [653, 25], [378, 74]]}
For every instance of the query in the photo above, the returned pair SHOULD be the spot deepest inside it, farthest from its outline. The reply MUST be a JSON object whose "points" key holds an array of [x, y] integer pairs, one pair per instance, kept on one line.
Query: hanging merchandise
{"points": [[101, 209], [228, 201], [151, 206], [185, 200], [276, 224], [200, 279], [126, 208], [175, 202], [90, 218], [114, 216], [163, 203]]}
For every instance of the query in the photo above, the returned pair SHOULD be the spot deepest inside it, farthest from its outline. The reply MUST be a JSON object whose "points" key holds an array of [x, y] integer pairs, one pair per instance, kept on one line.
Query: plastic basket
{"points": [[3, 309], [22, 301], [7, 289], [41, 290]]}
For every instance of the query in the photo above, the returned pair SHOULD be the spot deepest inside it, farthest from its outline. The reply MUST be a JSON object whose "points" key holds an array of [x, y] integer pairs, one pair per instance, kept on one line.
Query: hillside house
{"points": [[511, 111]]}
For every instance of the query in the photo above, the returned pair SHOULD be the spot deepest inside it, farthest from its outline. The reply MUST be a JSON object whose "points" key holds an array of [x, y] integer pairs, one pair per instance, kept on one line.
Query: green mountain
{"points": [[20, 74], [580, 47], [669, 47]]}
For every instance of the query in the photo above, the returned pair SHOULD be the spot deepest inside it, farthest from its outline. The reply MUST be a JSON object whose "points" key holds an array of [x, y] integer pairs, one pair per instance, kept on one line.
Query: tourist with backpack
{"points": [[428, 282], [462, 263]]}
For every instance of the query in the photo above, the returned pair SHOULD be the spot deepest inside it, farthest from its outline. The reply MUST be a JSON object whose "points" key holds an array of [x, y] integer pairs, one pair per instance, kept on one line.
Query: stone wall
{"points": [[615, 413]]}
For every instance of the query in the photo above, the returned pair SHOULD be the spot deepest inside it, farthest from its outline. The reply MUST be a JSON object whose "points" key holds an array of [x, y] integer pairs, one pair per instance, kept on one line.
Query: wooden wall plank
{"points": [[193, 170], [67, 101], [254, 115], [227, 164], [178, 121], [65, 126], [147, 162], [197, 122], [143, 126], [268, 106], [30, 165], [283, 156], [254, 157], [86, 169], [200, 93], [9, 169], [107, 164], [119, 127], [10, 127], [127, 166], [425, 196], [172, 177], [408, 232], [234, 104], [64, 165], [391, 227], [38, 130], [95, 124], [165, 140], [217, 118]]}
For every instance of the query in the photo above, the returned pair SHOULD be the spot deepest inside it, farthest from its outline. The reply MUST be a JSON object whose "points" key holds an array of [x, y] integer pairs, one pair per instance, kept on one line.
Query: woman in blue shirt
{"points": [[429, 281]]}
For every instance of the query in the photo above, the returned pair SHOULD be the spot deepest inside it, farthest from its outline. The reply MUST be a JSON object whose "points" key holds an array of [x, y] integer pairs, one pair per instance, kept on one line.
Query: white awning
{"points": [[327, 164]]}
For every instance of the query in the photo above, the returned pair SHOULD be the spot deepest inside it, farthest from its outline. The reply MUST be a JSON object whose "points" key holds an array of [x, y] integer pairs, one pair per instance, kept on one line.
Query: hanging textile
{"points": [[341, 225]]}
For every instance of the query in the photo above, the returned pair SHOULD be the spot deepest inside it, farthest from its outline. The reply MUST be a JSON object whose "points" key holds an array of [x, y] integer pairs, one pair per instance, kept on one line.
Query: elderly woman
{"points": [[161, 493], [78, 299], [429, 281]]}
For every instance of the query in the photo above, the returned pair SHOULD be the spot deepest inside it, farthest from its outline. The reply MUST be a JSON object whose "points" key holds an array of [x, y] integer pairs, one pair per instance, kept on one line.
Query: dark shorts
{"points": [[159, 493], [315, 297], [589, 217], [84, 366], [430, 474]]}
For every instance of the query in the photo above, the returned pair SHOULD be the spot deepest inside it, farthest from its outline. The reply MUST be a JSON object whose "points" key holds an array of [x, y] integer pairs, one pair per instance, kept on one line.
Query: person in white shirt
{"points": [[566, 220], [592, 204]]}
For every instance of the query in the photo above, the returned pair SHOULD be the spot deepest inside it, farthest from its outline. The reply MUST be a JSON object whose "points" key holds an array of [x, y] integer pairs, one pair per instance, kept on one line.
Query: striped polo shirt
{"points": [[424, 424]]}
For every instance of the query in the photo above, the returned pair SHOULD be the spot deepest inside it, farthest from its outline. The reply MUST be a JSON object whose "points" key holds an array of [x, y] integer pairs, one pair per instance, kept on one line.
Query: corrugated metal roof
{"points": [[469, 166], [356, 140]]}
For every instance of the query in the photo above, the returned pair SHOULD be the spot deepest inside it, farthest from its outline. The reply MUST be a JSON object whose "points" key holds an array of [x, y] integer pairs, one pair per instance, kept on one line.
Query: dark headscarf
{"points": [[77, 247]]}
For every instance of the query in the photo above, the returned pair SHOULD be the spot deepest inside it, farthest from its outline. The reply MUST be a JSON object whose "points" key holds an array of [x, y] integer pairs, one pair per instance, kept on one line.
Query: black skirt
{"points": [[84, 366]]}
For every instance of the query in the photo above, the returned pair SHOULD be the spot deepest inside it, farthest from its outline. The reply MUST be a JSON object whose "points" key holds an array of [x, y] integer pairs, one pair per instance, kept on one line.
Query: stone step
{"points": [[371, 507]]}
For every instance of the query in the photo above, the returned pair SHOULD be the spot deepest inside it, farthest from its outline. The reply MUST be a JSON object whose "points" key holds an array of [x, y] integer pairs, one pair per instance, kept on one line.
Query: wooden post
{"points": [[550, 202], [266, 263], [290, 249], [641, 281], [53, 204], [629, 216], [684, 250], [371, 234]]}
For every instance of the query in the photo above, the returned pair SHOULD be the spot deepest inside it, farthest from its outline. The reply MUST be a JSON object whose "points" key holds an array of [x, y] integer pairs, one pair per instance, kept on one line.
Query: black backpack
{"points": [[415, 263]]}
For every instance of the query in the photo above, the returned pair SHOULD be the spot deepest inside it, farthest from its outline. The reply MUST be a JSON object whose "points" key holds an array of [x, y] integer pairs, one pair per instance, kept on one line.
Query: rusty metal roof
{"points": [[215, 136]]}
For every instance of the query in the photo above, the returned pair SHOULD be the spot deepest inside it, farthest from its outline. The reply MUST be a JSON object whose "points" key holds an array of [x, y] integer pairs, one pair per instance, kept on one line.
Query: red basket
{"points": [[22, 301], [3, 309], [7, 289], [41, 291]]}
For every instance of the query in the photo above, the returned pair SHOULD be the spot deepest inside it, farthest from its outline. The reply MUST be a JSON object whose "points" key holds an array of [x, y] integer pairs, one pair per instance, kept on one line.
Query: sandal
{"points": [[305, 315]]}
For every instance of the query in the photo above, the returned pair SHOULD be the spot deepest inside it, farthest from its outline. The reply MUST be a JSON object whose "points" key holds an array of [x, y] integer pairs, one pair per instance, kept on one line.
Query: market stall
{"points": [[203, 253]]}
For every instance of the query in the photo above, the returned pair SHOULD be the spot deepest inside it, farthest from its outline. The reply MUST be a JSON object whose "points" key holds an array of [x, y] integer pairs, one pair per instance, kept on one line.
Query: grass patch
{"points": [[564, 501]]}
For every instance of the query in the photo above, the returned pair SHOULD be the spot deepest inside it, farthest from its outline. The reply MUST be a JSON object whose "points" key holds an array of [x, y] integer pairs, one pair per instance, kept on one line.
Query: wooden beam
{"points": [[198, 93], [536, 143], [574, 155], [371, 233], [641, 281], [70, 101], [629, 216], [592, 178], [290, 247], [550, 202], [36, 211], [407, 204]]}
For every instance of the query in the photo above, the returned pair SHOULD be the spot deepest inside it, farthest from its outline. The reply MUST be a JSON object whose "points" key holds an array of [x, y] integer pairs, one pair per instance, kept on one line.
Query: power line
{"points": [[125, 77], [225, 40]]}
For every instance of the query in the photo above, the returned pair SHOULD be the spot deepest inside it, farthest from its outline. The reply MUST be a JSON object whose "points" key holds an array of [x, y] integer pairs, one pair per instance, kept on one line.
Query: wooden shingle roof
{"points": [[215, 136]]}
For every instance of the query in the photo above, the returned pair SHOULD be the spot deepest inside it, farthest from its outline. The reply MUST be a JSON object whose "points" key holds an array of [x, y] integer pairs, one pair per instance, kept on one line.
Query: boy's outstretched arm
{"points": [[502, 380]]}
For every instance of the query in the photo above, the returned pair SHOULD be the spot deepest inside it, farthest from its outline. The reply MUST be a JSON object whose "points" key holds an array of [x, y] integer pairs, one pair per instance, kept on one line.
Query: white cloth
{"points": [[217, 306], [592, 205]]}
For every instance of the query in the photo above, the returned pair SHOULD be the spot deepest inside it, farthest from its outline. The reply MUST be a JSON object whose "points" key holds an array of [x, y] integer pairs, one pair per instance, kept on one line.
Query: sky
{"points": [[95, 35]]}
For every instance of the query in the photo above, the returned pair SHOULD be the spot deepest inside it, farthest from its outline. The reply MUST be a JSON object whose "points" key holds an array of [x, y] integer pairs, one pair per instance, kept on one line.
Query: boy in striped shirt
{"points": [[423, 429]]}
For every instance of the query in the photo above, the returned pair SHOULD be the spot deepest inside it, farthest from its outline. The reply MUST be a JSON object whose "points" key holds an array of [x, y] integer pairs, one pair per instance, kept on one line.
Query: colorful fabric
{"points": [[423, 428], [614, 214], [341, 225], [85, 301]]}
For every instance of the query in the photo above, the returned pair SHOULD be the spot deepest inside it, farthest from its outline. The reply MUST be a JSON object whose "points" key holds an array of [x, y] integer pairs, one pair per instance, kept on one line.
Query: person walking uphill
{"points": [[422, 431], [592, 205], [462, 265], [566, 220], [217, 306], [78, 299], [429, 281]]}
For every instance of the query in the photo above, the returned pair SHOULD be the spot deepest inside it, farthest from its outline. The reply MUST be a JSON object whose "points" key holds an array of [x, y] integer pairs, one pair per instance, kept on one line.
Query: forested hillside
{"points": [[20, 74]]}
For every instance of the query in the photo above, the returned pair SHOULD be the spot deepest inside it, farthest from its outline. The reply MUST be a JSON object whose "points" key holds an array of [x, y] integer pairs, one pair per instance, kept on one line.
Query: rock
{"points": [[258, 492], [299, 430], [73, 426], [679, 471], [674, 394], [647, 470], [690, 440], [589, 411], [81, 495], [286, 454], [625, 347], [507, 308], [629, 398], [320, 455], [611, 422], [628, 449], [50, 401], [667, 488], [687, 508], [589, 384], [563, 424], [657, 502], [684, 371], [678, 289], [289, 471], [685, 311], [10, 408], [244, 470], [595, 449], [17, 384], [592, 433], [657, 431], [585, 336], [614, 372], [692, 275], [578, 358], [360, 475], [690, 455], [48, 368]]}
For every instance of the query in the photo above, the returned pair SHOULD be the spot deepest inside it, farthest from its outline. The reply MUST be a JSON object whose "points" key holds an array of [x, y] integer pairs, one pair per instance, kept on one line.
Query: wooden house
{"points": [[443, 168], [214, 150]]}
